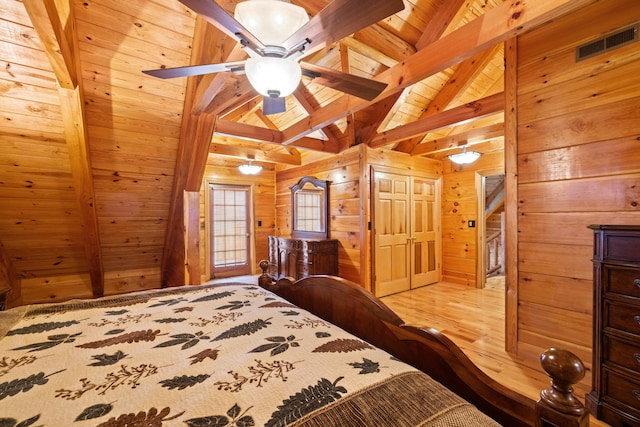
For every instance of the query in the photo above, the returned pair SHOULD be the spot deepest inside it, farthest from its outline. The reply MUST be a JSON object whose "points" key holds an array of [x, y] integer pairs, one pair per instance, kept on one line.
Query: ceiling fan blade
{"points": [[195, 70], [273, 105], [213, 13], [348, 83], [339, 19]]}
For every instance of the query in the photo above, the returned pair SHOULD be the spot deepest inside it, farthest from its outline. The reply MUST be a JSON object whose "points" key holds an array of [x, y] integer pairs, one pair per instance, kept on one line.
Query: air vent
{"points": [[604, 44]]}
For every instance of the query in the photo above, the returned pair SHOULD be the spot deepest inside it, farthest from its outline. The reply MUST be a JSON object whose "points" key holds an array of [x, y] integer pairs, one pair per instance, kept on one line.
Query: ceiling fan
{"points": [[277, 34]]}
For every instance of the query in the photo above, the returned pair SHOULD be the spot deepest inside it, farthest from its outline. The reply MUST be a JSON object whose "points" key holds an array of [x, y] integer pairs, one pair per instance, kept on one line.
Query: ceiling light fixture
{"points": [[249, 168], [272, 22], [465, 157]]}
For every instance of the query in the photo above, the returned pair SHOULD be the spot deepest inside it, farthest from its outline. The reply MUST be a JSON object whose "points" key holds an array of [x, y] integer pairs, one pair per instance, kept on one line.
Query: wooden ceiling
{"points": [[95, 153]]}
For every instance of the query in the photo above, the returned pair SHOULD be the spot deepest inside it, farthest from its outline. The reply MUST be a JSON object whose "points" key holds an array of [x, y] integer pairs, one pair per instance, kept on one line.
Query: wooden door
{"points": [[425, 237], [406, 248], [230, 230], [392, 259]]}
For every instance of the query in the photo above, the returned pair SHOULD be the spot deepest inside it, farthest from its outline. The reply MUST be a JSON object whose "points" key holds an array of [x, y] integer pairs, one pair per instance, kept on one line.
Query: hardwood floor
{"points": [[474, 319]]}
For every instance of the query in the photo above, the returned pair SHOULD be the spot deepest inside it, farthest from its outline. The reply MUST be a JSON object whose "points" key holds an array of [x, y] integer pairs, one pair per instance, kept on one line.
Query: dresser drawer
{"points": [[621, 246], [622, 353], [623, 317], [623, 389], [622, 280]]}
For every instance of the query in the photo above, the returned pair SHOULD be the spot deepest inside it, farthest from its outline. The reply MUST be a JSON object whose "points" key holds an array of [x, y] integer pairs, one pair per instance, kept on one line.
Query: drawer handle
{"points": [[637, 319], [637, 282], [637, 357], [636, 393]]}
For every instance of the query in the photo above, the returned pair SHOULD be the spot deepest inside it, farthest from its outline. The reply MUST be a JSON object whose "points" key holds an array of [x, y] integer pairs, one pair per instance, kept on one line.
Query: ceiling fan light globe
{"points": [[269, 76], [271, 21]]}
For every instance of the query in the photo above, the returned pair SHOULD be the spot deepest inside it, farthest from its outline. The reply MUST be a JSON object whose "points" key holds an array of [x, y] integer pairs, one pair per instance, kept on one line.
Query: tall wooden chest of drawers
{"points": [[615, 396]]}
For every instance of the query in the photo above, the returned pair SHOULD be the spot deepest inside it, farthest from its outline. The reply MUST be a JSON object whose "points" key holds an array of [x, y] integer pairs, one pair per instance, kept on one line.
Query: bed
{"points": [[240, 354]]}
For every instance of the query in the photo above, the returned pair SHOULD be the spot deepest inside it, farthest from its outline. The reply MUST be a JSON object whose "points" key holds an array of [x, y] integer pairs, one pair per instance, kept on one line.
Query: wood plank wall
{"points": [[459, 205], [345, 202], [578, 163], [224, 170]]}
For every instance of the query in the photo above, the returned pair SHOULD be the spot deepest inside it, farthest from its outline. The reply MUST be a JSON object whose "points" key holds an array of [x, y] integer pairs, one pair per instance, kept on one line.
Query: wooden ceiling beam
{"points": [[382, 40], [469, 137], [438, 24], [256, 133], [292, 158], [472, 110], [193, 148], [54, 22], [501, 23], [464, 75]]}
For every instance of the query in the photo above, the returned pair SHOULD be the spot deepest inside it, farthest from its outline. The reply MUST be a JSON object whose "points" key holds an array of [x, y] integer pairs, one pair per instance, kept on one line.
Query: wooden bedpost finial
{"points": [[264, 280], [557, 405]]}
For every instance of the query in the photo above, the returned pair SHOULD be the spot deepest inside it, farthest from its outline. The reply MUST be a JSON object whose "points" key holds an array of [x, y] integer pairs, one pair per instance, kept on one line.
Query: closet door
{"points": [[392, 239], [406, 232], [424, 236]]}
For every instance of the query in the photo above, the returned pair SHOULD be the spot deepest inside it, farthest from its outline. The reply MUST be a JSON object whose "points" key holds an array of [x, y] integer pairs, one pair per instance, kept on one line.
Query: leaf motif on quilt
{"points": [[323, 334], [182, 309], [171, 320], [342, 345], [306, 401], [114, 332], [234, 305], [366, 366], [244, 329], [13, 387], [279, 304], [205, 354], [53, 340], [130, 337], [234, 417], [214, 297], [94, 411], [125, 376], [12, 422], [183, 381], [168, 302], [9, 363], [122, 320], [307, 323], [152, 418], [277, 345], [258, 374], [41, 327], [218, 319], [187, 340], [108, 359], [116, 312]]}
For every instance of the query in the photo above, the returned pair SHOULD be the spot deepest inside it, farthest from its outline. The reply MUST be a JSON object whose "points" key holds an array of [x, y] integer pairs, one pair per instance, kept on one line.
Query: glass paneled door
{"points": [[230, 248]]}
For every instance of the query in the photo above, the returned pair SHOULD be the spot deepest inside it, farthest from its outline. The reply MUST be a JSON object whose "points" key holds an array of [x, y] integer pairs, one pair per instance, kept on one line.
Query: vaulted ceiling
{"points": [[95, 153]]}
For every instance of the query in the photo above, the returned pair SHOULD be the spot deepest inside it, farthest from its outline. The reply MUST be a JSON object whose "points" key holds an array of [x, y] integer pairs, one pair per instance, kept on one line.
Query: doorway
{"points": [[406, 232], [230, 230], [490, 227]]}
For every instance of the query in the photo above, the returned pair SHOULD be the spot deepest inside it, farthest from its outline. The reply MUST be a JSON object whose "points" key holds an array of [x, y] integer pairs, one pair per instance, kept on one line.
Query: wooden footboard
{"points": [[349, 306]]}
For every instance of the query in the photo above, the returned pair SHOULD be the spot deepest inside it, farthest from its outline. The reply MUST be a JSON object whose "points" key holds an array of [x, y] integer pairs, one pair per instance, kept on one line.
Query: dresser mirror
{"points": [[310, 208]]}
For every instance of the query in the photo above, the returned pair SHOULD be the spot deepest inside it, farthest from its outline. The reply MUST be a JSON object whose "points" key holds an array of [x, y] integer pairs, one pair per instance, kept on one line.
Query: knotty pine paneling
{"points": [[459, 205], [345, 204], [578, 164]]}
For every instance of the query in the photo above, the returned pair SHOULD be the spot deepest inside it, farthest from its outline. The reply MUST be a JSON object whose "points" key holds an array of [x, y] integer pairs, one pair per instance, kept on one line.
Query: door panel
{"points": [[424, 219], [391, 201]]}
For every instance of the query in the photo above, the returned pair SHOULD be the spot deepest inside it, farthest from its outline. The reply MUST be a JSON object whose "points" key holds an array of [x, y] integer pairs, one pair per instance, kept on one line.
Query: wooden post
{"points": [[557, 405]]}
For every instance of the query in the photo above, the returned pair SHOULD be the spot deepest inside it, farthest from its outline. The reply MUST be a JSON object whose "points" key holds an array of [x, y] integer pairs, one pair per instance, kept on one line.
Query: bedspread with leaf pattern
{"points": [[226, 355]]}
